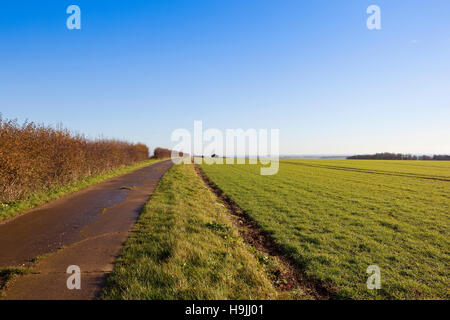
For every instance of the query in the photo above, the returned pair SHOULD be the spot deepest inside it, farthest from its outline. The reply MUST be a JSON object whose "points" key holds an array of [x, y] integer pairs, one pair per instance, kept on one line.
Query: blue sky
{"points": [[137, 70]]}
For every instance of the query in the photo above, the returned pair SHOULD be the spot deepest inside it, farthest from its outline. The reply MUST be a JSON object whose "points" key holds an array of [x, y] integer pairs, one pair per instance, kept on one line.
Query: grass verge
{"points": [[13, 208], [282, 270], [184, 246], [7, 275]]}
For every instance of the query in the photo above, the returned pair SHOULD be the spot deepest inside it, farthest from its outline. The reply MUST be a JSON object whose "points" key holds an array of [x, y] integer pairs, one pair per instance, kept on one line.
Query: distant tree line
{"points": [[161, 153], [399, 156]]}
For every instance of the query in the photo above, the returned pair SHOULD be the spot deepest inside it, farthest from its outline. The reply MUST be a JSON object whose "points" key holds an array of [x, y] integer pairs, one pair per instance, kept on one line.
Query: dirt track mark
{"points": [[256, 237], [387, 173]]}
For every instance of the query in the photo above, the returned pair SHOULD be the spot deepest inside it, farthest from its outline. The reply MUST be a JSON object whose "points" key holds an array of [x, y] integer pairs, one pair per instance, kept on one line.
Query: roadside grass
{"points": [[7, 275], [13, 208], [184, 246], [335, 223]]}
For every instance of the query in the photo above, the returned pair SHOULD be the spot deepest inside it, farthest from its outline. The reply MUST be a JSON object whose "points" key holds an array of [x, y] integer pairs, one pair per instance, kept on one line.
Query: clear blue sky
{"points": [[137, 70]]}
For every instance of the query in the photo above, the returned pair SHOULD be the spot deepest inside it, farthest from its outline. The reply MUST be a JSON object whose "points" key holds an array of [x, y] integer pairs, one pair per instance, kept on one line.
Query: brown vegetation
{"points": [[35, 157], [161, 153]]}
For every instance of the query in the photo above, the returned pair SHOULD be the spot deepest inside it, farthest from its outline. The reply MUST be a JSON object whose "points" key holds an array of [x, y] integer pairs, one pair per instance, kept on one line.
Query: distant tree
{"points": [[399, 156], [441, 157], [161, 153]]}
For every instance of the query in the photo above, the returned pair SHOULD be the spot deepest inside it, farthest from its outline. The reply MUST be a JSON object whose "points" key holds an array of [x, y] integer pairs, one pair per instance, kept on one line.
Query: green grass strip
{"points": [[184, 246]]}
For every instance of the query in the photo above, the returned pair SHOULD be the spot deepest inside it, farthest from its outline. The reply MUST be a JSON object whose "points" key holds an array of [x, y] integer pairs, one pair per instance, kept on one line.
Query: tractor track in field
{"points": [[255, 236], [386, 173], [86, 228]]}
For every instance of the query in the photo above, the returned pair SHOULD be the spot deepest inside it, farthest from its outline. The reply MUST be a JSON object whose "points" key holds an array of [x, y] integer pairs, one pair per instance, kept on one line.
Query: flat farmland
{"points": [[337, 217]]}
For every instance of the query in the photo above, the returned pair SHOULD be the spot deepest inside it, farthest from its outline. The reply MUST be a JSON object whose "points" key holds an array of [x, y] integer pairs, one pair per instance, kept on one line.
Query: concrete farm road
{"points": [[87, 229]]}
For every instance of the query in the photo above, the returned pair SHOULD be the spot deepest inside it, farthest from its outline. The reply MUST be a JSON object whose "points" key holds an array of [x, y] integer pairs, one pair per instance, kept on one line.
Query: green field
{"points": [[337, 217]]}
